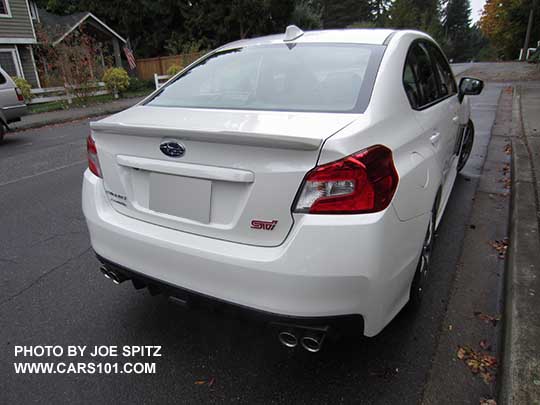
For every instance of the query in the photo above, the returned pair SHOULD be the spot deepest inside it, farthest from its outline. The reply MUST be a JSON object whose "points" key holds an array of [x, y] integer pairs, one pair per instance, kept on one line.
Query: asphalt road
{"points": [[459, 68], [51, 293]]}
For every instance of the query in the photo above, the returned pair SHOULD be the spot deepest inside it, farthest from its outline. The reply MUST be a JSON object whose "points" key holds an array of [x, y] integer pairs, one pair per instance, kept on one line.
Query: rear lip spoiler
{"points": [[235, 138]]}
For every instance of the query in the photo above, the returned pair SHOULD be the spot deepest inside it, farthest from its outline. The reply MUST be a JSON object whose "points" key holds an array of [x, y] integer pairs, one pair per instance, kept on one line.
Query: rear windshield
{"points": [[294, 77]]}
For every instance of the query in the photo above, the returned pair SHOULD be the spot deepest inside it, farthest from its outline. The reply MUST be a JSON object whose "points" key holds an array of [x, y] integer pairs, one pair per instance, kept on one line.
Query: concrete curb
{"points": [[520, 373]]}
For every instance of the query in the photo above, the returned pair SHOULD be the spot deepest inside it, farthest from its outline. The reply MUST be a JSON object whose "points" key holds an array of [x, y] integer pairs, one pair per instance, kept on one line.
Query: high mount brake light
{"points": [[93, 161], [363, 182]]}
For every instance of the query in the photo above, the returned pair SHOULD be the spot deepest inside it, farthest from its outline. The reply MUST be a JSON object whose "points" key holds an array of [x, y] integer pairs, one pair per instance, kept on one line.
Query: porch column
{"points": [[117, 55]]}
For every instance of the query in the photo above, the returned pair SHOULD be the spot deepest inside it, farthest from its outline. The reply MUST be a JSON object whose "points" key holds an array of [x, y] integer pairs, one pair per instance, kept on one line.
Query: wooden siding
{"points": [[20, 23], [27, 65]]}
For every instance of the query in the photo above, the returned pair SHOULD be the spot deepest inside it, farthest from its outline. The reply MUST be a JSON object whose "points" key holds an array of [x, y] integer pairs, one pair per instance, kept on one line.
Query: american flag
{"points": [[130, 58]]}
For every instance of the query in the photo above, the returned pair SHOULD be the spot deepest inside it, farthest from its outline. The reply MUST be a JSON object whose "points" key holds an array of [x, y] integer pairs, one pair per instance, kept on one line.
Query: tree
{"points": [[340, 14], [307, 15], [422, 15], [73, 62], [457, 30], [380, 10], [504, 22]]}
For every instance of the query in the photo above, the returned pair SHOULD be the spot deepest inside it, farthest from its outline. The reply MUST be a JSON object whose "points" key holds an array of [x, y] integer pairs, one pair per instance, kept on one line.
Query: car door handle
{"points": [[434, 139]]}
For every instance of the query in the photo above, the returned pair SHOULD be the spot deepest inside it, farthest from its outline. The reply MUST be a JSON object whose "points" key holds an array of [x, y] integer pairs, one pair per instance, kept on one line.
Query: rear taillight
{"points": [[20, 96], [93, 161], [360, 183]]}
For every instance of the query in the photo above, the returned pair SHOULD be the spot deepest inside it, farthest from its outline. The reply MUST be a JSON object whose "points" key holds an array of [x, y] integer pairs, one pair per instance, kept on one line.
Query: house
{"points": [[19, 20], [17, 38]]}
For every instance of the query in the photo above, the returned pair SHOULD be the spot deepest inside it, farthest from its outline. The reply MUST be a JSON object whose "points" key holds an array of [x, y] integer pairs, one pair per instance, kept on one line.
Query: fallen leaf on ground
{"points": [[508, 149], [506, 169], [485, 401], [507, 181], [200, 382], [484, 345], [501, 246], [487, 318], [478, 362]]}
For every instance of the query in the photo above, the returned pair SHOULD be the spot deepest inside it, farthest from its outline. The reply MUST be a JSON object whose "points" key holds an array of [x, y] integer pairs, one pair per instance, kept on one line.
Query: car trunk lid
{"points": [[235, 180]]}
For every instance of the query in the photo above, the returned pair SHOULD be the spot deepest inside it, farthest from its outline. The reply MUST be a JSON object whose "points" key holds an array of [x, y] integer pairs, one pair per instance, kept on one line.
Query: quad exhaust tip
{"points": [[310, 340], [313, 341], [288, 339], [111, 275]]}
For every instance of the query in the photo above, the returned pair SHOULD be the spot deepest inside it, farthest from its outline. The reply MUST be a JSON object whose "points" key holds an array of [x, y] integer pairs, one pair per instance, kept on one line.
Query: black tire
{"points": [[418, 285], [2, 131], [467, 144]]}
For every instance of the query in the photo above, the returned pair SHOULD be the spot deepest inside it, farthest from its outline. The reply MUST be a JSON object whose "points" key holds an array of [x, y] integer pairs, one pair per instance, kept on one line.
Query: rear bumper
{"points": [[328, 266], [193, 299], [14, 113]]}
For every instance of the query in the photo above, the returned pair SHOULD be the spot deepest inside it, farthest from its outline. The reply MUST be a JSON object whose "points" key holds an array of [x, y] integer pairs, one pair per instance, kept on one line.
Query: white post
{"points": [[156, 80], [68, 93]]}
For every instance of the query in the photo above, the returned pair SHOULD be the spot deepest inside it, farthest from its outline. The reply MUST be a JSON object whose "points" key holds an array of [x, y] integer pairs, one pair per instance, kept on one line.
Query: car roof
{"points": [[370, 36]]}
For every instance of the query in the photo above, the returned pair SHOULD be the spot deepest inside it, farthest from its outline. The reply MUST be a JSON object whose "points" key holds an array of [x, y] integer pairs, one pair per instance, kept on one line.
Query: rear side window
{"points": [[2, 79], [411, 85], [427, 77], [419, 63], [446, 77], [280, 77]]}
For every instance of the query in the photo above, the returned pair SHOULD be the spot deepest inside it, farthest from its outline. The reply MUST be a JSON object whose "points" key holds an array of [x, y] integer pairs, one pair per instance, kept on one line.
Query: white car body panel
{"points": [[11, 108], [297, 278], [230, 141], [308, 265]]}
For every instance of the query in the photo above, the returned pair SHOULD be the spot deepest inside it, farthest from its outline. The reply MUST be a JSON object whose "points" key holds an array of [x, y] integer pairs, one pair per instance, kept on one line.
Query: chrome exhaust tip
{"points": [[105, 272], [313, 341], [111, 275], [288, 339]]}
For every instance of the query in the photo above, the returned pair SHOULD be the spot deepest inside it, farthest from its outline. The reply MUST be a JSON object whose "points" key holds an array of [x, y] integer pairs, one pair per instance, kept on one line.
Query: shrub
{"points": [[174, 69], [25, 88], [138, 85], [116, 80]]}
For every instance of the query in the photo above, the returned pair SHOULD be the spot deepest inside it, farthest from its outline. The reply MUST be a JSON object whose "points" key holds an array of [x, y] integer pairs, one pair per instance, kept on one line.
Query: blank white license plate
{"points": [[179, 196]]}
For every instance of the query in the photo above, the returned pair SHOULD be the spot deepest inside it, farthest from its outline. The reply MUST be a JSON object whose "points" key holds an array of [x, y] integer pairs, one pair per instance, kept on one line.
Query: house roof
{"points": [[60, 26]]}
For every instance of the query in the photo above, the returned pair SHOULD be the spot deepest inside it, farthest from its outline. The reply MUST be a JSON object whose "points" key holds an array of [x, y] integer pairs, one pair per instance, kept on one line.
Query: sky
{"points": [[476, 6]]}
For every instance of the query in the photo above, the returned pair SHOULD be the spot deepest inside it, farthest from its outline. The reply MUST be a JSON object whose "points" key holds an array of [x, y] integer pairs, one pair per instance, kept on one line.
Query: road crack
{"points": [[36, 281]]}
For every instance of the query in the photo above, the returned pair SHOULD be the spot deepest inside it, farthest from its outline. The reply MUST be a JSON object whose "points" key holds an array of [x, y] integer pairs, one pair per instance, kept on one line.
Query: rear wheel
{"points": [[466, 148], [422, 269]]}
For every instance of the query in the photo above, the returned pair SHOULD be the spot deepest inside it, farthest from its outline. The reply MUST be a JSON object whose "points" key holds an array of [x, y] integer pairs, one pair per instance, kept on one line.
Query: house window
{"points": [[34, 13], [4, 8], [9, 61]]}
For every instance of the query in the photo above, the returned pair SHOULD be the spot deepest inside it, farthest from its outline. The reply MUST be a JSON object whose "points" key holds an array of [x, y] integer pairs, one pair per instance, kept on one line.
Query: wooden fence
{"points": [[47, 95], [146, 68]]}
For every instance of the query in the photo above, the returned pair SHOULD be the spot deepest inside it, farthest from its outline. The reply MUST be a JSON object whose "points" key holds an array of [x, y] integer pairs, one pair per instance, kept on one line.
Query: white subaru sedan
{"points": [[299, 176]]}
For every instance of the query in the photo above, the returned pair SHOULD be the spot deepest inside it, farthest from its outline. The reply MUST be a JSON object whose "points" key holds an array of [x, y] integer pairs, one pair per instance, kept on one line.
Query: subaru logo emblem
{"points": [[172, 149]]}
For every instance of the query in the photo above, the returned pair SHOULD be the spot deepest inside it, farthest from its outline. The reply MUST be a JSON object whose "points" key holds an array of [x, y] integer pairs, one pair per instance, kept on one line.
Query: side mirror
{"points": [[469, 86]]}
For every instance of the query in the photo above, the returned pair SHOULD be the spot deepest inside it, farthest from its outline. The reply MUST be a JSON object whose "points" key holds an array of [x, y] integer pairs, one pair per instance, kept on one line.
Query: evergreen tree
{"points": [[340, 14], [457, 30], [380, 10], [307, 15], [423, 15]]}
